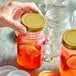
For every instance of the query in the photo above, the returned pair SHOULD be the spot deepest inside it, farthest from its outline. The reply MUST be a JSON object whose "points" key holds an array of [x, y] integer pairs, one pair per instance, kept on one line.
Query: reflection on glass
{"points": [[42, 4], [74, 16], [60, 3]]}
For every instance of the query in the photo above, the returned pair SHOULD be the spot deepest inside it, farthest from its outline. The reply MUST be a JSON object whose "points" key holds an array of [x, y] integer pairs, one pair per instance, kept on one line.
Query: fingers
{"points": [[17, 26], [31, 6], [22, 8], [18, 14], [13, 11]]}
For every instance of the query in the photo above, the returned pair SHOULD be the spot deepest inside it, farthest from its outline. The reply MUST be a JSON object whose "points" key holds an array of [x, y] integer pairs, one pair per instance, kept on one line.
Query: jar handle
{"points": [[49, 52]]}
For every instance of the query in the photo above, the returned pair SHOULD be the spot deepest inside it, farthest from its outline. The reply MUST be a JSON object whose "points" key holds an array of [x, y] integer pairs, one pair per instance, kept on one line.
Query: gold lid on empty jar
{"points": [[34, 22], [69, 39]]}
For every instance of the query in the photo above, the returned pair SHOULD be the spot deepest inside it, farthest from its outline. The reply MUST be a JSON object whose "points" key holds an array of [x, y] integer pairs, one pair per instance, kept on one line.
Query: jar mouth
{"points": [[57, 16], [33, 35]]}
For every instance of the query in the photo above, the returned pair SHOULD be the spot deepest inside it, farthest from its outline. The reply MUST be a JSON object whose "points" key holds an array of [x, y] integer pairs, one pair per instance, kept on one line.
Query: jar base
{"points": [[23, 67]]}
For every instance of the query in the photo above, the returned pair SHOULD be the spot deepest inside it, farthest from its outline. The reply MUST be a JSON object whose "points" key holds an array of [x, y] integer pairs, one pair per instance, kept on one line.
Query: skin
{"points": [[9, 13]]}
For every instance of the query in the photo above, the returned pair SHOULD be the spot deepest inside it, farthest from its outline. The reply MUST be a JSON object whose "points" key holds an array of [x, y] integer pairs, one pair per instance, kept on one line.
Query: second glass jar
{"points": [[57, 24]]}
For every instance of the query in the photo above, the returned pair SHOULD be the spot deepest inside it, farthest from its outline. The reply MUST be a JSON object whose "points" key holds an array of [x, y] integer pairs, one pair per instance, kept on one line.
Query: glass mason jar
{"points": [[57, 24], [68, 54], [31, 47]]}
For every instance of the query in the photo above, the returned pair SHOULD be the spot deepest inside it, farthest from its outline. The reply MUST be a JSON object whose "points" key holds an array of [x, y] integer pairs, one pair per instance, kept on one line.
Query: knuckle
{"points": [[2, 16], [12, 3]]}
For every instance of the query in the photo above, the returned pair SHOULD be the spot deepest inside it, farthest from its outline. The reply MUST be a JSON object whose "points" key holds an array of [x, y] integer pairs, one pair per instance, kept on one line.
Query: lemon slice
{"points": [[71, 62], [47, 73], [29, 49]]}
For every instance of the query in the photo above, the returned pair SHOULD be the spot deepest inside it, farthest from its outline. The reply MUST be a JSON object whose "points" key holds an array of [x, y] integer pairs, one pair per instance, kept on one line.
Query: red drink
{"points": [[29, 50], [68, 54]]}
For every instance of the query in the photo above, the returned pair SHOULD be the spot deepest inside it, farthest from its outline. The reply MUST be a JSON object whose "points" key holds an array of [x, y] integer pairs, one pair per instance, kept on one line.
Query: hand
{"points": [[11, 12]]}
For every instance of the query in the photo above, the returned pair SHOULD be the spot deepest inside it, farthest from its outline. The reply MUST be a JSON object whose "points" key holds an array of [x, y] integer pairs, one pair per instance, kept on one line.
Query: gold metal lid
{"points": [[34, 22], [69, 39]]}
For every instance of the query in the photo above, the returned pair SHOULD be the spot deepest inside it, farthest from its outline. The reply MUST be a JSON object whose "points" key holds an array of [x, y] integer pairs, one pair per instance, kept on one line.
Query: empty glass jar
{"points": [[57, 24]]}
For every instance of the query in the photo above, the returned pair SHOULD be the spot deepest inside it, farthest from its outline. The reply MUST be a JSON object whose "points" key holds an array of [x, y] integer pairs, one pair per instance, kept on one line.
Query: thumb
{"points": [[17, 26]]}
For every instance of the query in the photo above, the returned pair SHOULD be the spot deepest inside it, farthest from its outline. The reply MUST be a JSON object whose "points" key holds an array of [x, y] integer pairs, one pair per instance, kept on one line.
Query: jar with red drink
{"points": [[68, 54], [31, 47]]}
